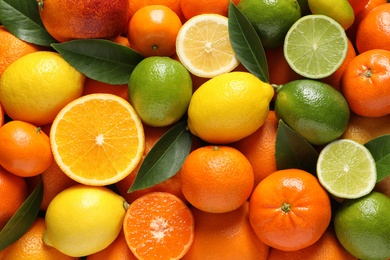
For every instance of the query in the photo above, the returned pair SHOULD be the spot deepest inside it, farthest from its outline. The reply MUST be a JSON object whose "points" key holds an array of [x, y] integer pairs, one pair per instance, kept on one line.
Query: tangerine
{"points": [[135, 5]]}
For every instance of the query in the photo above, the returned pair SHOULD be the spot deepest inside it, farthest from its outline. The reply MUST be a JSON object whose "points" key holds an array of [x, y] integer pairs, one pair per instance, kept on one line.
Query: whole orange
{"points": [[190, 8], [74, 19], [289, 210], [25, 149], [153, 29], [365, 83], [135, 5], [216, 179]]}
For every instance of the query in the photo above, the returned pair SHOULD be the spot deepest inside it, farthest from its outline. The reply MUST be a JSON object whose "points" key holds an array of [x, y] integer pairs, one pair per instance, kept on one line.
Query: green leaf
{"points": [[165, 158], [293, 151], [21, 18], [247, 44], [22, 220], [99, 59], [380, 150]]}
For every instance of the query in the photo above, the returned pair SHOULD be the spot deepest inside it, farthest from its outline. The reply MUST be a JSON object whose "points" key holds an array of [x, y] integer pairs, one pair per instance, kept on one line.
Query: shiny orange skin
{"points": [[190, 8], [93, 86], [25, 149], [2, 115], [174, 5], [365, 83], [358, 5], [289, 210]]}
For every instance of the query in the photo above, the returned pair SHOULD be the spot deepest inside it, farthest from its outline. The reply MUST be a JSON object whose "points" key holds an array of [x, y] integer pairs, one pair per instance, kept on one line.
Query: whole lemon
{"points": [[37, 86], [229, 107], [83, 220]]}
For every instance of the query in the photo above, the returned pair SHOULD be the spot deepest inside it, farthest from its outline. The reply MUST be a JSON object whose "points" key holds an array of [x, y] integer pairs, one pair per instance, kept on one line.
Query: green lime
{"points": [[313, 109], [346, 169], [271, 19], [315, 46], [363, 226], [160, 90]]}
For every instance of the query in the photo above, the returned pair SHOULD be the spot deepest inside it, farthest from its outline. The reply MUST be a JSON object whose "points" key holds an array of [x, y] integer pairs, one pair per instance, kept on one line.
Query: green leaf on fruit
{"points": [[99, 59], [380, 150], [165, 158], [21, 18], [293, 151], [246, 44], [22, 220]]}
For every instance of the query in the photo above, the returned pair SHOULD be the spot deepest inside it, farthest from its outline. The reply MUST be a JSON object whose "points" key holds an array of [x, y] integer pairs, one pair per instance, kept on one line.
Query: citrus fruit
{"points": [[313, 109], [203, 46], [363, 226], [135, 5], [92, 86], [25, 149], [160, 89], [191, 8], [35, 87], [158, 225], [2, 115], [346, 169], [315, 46], [83, 220], [229, 107], [289, 210], [271, 19], [358, 5], [97, 139]]}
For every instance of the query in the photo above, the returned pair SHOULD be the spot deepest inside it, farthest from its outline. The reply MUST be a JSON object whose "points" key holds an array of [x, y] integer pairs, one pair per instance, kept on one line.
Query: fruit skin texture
{"points": [[190, 8], [365, 83], [68, 20], [314, 109], [363, 226], [83, 220], [289, 210], [229, 107]]}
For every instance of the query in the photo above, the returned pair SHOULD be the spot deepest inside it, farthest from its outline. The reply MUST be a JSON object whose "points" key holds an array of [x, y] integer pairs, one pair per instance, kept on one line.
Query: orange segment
{"points": [[97, 139]]}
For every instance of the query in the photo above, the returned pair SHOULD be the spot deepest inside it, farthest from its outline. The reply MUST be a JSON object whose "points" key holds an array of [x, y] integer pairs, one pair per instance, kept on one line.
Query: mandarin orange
{"points": [[135, 5]]}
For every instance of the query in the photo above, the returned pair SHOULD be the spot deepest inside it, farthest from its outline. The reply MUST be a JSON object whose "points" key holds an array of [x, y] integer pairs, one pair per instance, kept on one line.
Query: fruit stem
{"points": [[277, 87], [286, 207]]}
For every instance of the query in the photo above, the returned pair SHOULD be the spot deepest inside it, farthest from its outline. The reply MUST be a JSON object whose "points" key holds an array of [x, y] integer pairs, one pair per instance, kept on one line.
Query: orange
{"points": [[373, 31], [216, 179], [191, 8], [383, 186], [25, 149], [227, 236], [2, 115], [135, 5], [365, 83], [92, 86], [13, 192], [259, 148], [358, 5], [158, 225], [122, 40], [289, 210], [153, 29], [67, 20], [327, 247]]}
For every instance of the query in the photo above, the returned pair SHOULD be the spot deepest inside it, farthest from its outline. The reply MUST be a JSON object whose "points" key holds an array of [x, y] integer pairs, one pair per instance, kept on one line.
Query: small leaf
{"points": [[293, 151], [21, 18], [380, 150], [247, 44], [22, 220], [165, 158], [99, 59]]}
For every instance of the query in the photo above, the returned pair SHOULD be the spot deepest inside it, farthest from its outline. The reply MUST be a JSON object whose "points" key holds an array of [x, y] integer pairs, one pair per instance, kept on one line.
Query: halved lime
{"points": [[315, 46], [346, 169]]}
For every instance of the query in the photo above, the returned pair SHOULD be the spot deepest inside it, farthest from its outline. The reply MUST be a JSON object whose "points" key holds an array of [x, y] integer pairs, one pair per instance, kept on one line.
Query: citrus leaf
{"points": [[165, 158], [246, 44], [380, 150], [99, 59], [293, 151], [22, 220], [21, 18]]}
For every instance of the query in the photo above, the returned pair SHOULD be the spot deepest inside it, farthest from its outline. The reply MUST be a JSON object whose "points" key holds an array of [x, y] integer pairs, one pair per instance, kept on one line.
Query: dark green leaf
{"points": [[293, 151], [21, 18], [165, 158], [23, 218], [101, 60], [380, 150], [247, 44]]}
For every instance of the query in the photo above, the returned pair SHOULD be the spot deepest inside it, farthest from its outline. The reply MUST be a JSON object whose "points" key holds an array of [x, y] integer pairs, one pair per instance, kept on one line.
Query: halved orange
{"points": [[97, 139]]}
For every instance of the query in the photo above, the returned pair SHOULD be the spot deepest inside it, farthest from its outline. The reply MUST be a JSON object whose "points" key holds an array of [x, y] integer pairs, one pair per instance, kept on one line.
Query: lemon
{"points": [[83, 220], [229, 107], [37, 86]]}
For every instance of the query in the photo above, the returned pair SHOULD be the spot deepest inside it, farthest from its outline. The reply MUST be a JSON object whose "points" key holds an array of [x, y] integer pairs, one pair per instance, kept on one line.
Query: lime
{"points": [[160, 89], [346, 169], [271, 19], [315, 46], [363, 226], [313, 109]]}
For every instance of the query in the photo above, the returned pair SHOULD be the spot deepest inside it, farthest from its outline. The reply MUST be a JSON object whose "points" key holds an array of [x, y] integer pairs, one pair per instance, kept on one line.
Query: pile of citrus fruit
{"points": [[190, 129]]}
